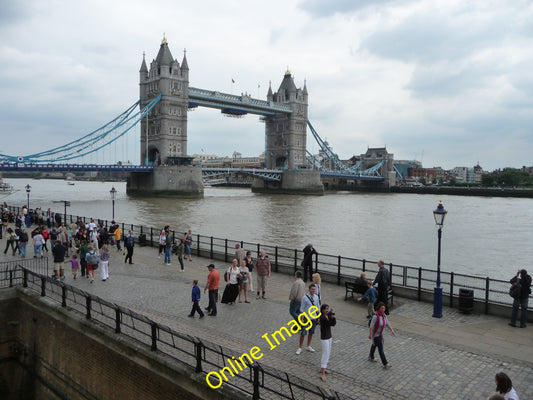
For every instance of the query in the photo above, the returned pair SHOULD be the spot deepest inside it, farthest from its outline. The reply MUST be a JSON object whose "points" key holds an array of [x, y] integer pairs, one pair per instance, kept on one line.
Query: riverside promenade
{"points": [[455, 357]]}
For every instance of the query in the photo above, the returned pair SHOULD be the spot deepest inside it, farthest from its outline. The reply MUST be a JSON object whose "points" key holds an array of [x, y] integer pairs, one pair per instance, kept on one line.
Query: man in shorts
{"points": [[59, 252], [309, 300]]}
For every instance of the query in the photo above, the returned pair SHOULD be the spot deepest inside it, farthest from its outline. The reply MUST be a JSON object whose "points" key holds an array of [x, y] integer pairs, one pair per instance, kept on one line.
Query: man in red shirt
{"points": [[212, 286]]}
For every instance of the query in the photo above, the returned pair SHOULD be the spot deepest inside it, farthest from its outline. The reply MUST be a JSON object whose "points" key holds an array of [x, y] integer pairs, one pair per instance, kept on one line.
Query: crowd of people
{"points": [[86, 247]]}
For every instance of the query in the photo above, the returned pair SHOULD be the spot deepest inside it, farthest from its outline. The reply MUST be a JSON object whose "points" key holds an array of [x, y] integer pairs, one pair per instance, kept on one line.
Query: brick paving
{"points": [[455, 357]]}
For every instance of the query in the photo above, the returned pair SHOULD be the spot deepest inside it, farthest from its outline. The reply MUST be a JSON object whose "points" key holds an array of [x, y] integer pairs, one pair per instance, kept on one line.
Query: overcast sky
{"points": [[448, 83]]}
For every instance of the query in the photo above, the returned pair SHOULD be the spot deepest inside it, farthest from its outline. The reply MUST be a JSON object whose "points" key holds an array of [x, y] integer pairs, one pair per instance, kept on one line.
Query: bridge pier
{"points": [[292, 182], [167, 180]]}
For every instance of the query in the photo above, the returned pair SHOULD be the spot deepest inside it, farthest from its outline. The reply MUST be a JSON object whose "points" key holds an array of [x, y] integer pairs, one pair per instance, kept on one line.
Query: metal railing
{"points": [[334, 268], [257, 380]]}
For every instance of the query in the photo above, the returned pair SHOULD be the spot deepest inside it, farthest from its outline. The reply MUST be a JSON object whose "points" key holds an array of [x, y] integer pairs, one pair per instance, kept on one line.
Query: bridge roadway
{"points": [[455, 357]]}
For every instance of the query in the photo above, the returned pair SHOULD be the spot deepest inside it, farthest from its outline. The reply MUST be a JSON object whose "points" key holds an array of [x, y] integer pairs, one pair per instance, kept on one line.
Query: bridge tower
{"points": [[286, 143], [287, 133], [164, 132]]}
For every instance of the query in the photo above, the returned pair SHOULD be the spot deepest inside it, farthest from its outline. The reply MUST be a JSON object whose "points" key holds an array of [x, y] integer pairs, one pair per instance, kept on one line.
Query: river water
{"points": [[482, 236]]}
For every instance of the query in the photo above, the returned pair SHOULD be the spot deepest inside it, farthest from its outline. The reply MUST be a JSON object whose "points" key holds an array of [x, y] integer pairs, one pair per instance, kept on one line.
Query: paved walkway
{"points": [[455, 357]]}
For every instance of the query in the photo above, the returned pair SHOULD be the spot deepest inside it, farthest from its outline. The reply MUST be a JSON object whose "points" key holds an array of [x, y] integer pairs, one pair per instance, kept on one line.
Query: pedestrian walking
{"points": [[371, 294], [522, 282], [75, 263], [231, 291], [295, 295], [59, 252], [92, 261], [382, 281], [180, 251], [243, 285], [239, 253], [104, 262], [169, 241], [162, 243], [262, 269], [309, 300], [187, 239], [317, 280], [129, 243], [195, 297], [213, 280], [377, 326], [326, 321], [250, 265]]}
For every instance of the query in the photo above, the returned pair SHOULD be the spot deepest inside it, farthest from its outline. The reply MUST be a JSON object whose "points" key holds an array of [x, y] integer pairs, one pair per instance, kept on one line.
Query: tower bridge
{"points": [[166, 168]]}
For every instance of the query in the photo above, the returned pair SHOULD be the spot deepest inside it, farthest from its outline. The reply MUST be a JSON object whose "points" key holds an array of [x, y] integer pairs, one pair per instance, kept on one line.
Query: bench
{"points": [[356, 287]]}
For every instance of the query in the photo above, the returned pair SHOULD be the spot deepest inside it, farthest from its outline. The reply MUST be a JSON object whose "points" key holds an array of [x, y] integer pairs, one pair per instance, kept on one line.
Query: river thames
{"points": [[482, 236]]}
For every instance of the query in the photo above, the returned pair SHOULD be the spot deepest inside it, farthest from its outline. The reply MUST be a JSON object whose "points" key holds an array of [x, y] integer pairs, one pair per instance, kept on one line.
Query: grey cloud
{"points": [[13, 11], [320, 8]]}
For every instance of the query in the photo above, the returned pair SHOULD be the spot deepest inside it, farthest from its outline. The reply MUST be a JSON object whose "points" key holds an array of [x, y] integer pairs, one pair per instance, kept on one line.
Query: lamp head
{"points": [[28, 188], [113, 193], [439, 214]]}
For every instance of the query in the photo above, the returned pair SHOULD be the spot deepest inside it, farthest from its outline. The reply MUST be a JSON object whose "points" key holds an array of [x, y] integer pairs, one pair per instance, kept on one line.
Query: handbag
{"points": [[302, 263]]}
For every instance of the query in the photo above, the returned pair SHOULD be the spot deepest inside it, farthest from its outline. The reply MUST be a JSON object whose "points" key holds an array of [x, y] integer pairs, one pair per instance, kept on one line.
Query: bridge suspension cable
{"points": [[92, 142]]}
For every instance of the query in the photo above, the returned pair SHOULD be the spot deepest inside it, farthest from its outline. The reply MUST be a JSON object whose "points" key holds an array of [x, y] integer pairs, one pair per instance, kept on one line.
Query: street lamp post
{"points": [[28, 190], [113, 193], [439, 215]]}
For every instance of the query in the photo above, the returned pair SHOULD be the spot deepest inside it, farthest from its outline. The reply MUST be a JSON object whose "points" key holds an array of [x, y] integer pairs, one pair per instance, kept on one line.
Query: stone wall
{"points": [[167, 180], [63, 355]]}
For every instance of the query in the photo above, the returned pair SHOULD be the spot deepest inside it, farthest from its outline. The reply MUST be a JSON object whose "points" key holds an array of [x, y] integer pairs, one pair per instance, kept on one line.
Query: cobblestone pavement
{"points": [[455, 357]]}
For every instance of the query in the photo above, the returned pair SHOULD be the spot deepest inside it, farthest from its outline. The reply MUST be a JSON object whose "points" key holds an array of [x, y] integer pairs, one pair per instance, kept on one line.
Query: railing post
{"points": [[151, 236], [316, 263], [154, 337], [255, 395], [339, 261], [225, 250], [364, 265], [295, 261], [198, 351], [24, 278], [276, 259], [211, 248], [117, 320], [451, 289], [390, 274], [10, 278], [487, 285], [43, 286], [404, 274], [88, 302], [63, 296], [419, 283], [198, 245]]}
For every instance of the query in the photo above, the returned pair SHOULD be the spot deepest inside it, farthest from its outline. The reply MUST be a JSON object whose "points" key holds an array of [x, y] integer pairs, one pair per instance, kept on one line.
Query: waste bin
{"points": [[142, 239], [466, 300]]}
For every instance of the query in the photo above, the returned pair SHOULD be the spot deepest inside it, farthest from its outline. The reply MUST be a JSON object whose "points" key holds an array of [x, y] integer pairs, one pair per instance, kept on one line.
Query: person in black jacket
{"points": [[383, 282], [307, 262], [521, 302]]}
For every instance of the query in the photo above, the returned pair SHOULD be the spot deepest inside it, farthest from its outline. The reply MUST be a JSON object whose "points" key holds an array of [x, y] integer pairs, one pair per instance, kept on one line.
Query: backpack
{"points": [[23, 237], [516, 290], [92, 258]]}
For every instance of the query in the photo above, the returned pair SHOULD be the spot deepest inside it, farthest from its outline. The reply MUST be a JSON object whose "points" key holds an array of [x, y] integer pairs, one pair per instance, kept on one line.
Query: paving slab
{"points": [[454, 357]]}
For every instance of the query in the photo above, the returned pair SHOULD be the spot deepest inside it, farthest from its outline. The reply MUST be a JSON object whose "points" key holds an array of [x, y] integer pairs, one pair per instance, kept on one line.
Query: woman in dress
{"points": [[232, 286], [38, 244], [244, 282], [377, 326], [326, 321], [250, 264], [504, 386]]}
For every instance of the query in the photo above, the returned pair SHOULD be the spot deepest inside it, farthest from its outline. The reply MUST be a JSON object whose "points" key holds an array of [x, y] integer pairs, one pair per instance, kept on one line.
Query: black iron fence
{"points": [[334, 268], [255, 380]]}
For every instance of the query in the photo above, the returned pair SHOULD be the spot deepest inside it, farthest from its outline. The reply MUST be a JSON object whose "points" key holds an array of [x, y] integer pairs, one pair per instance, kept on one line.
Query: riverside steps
{"points": [[455, 357]]}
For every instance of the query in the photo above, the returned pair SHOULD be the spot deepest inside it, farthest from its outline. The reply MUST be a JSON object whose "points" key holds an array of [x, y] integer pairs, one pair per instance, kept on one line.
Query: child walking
{"points": [[196, 300], [75, 265], [372, 295]]}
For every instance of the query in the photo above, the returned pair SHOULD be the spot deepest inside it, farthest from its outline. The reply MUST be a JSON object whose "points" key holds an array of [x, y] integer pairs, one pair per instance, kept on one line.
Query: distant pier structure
{"points": [[164, 131]]}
